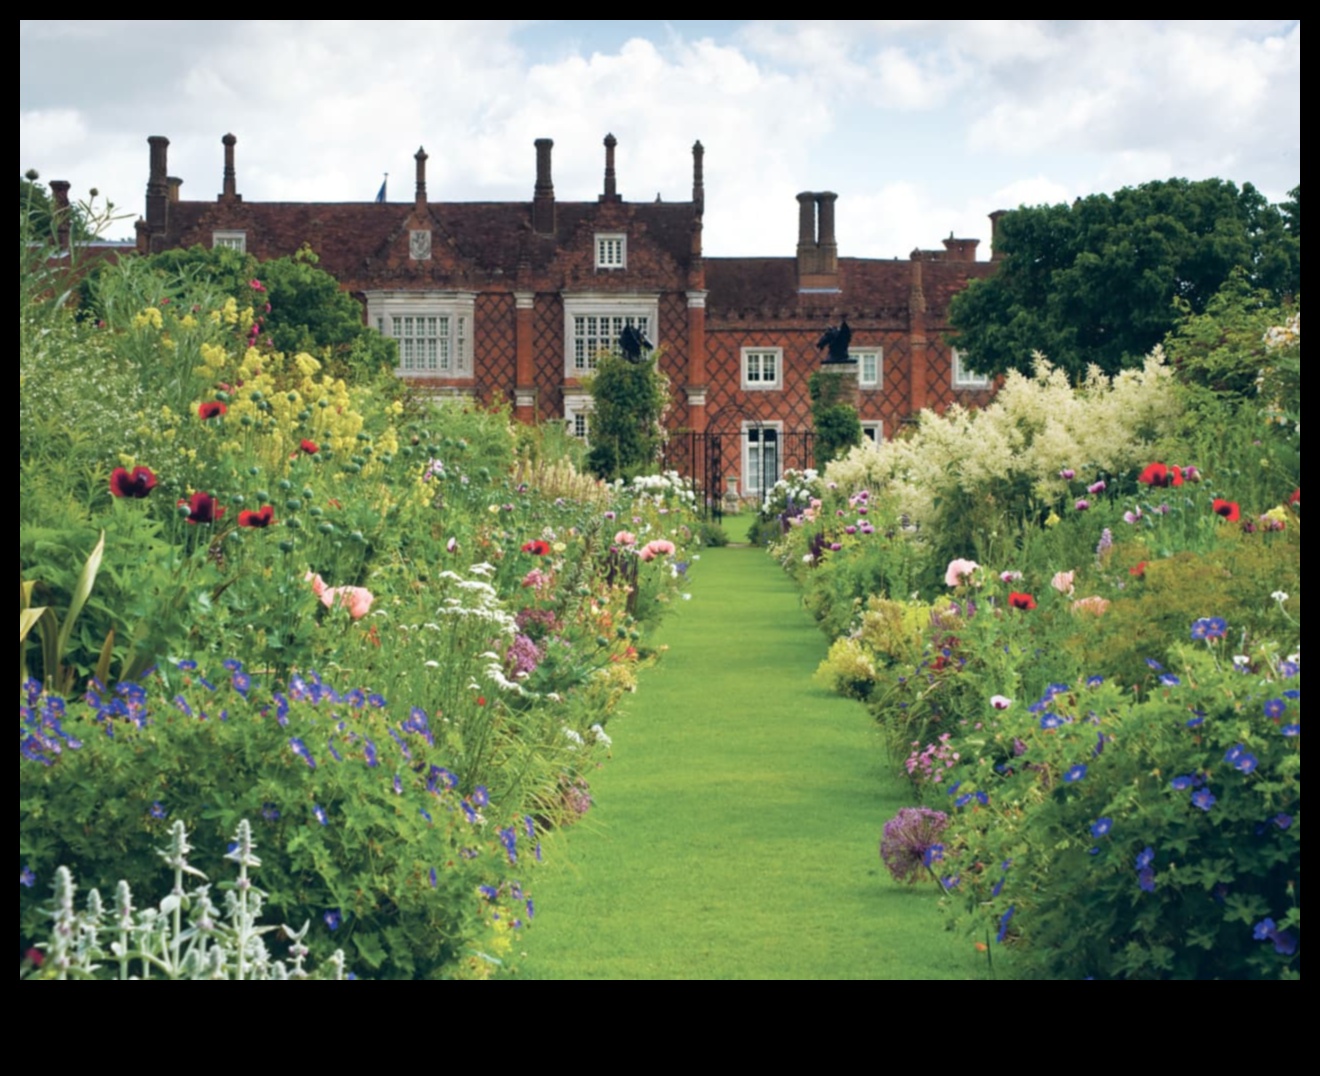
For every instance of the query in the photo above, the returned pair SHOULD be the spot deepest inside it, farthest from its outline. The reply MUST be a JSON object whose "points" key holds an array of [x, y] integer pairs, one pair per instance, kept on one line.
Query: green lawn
{"points": [[736, 829]]}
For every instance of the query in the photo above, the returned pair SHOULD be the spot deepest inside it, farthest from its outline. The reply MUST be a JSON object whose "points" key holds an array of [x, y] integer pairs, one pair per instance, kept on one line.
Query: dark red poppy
{"points": [[536, 547], [202, 508], [1228, 509], [1018, 600], [136, 484], [310, 447], [211, 409], [258, 517], [1158, 474]]}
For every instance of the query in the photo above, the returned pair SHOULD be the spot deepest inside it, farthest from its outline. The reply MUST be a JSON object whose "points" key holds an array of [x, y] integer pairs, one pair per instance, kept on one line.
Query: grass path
{"points": [[735, 830]]}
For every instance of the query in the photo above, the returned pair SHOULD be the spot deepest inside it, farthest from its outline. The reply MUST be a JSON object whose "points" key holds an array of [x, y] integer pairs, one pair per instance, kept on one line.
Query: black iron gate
{"points": [[711, 459]]}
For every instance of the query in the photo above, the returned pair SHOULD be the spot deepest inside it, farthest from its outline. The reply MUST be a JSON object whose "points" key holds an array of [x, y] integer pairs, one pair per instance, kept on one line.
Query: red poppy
{"points": [[1157, 474], [211, 409], [536, 547], [137, 484], [1295, 498], [202, 508], [1228, 509], [481, 700], [310, 447], [1139, 570], [260, 517], [1018, 600]]}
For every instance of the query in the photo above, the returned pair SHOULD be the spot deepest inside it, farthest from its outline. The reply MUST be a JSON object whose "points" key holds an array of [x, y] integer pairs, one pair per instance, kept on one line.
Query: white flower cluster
{"points": [[668, 486], [799, 487], [1035, 427]]}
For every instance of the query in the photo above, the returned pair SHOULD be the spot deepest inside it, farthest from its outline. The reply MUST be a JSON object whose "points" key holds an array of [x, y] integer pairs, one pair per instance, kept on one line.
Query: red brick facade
{"points": [[510, 299]]}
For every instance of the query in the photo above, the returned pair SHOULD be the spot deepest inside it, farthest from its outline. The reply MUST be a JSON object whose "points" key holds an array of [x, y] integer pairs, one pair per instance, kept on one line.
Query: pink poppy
{"points": [[959, 572]]}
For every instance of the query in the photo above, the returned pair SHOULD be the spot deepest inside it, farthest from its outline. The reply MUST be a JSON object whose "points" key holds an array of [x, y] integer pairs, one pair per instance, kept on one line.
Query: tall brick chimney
{"points": [[827, 246], [419, 194], [611, 192], [817, 249], [543, 194], [158, 190], [229, 193], [995, 253], [59, 189], [698, 180], [174, 183]]}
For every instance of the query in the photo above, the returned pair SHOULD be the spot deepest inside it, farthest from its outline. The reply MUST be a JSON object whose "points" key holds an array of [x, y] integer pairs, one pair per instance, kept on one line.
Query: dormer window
{"points": [[229, 240], [611, 251]]}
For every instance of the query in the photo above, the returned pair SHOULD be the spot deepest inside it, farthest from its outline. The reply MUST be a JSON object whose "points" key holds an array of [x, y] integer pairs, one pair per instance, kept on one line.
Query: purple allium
{"points": [[908, 837]]}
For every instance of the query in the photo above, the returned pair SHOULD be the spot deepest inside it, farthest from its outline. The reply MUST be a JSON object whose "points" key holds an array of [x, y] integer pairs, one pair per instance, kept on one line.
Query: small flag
{"points": [[380, 194]]}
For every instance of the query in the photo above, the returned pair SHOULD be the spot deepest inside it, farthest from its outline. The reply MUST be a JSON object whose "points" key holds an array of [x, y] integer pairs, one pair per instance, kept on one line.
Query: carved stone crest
{"points": [[419, 245]]}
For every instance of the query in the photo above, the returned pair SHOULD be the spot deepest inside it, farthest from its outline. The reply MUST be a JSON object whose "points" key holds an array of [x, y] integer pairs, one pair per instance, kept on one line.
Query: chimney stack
{"points": [[419, 195], [611, 193], [995, 253], [174, 184], [230, 189], [827, 246], [543, 194], [158, 192], [817, 249], [698, 180], [961, 250], [59, 189]]}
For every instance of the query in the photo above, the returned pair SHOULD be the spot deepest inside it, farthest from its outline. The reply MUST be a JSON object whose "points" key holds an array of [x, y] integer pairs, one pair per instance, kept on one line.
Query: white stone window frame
{"points": [[750, 427], [611, 250], [577, 415], [752, 365], [636, 305], [875, 356], [873, 433], [454, 313], [229, 239], [965, 379]]}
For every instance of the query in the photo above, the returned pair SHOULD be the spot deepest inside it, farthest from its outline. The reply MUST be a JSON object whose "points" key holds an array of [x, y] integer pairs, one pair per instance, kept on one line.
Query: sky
{"points": [[921, 127]]}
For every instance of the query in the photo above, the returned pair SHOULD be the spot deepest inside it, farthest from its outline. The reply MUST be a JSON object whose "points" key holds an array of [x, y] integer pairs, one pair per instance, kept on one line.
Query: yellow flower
{"points": [[493, 509], [1052, 520], [559, 547]]}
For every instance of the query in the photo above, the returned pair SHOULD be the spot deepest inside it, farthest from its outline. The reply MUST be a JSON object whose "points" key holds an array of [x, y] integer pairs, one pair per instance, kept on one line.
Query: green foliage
{"points": [[38, 211], [834, 419], [308, 310], [357, 807], [628, 401], [1153, 837], [1102, 281], [711, 534], [154, 943]]}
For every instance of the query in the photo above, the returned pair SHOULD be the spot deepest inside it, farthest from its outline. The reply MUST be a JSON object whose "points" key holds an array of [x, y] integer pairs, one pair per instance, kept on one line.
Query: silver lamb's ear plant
{"points": [[155, 943]]}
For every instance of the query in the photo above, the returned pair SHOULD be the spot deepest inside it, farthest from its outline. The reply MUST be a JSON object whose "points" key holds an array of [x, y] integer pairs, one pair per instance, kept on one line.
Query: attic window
{"points": [[611, 251], [229, 240]]}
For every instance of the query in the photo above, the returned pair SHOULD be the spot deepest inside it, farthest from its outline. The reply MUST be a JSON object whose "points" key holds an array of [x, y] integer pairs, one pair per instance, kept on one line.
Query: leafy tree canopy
{"points": [[628, 401], [1105, 279], [308, 310]]}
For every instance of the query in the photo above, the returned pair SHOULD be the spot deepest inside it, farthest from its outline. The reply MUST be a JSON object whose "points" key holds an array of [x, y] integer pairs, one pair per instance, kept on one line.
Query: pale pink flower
{"points": [[357, 600], [1000, 702], [660, 547], [318, 584], [960, 572], [625, 538], [1009, 577], [1063, 582], [1095, 605]]}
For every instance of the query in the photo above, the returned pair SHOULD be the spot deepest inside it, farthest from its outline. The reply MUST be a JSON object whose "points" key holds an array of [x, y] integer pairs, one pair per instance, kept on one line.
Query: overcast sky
{"points": [[921, 127]]}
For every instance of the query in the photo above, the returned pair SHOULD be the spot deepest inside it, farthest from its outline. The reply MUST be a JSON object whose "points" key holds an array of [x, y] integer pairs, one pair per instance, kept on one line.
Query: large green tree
{"points": [[1105, 279]]}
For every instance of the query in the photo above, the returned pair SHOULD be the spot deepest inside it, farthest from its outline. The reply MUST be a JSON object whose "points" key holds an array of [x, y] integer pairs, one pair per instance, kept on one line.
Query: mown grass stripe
{"points": [[735, 830]]}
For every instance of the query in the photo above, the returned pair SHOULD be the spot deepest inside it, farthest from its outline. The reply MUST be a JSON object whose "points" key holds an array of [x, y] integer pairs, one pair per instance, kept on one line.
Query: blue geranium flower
{"points": [[1145, 858], [1203, 798], [1101, 827], [1146, 880], [332, 918], [1246, 763], [318, 812], [1275, 708], [158, 810], [1154, 664], [1291, 730], [1075, 773], [1170, 680], [27, 877], [1181, 784]]}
